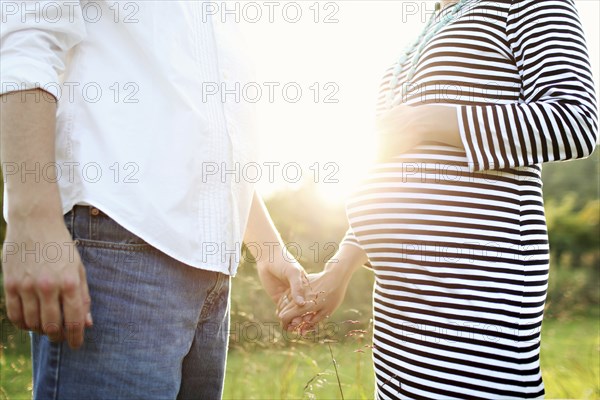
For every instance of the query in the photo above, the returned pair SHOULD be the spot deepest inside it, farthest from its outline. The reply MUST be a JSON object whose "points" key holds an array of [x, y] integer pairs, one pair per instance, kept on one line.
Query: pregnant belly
{"points": [[426, 204]]}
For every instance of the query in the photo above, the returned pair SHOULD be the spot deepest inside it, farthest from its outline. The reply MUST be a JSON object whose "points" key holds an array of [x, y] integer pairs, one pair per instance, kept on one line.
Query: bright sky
{"points": [[350, 55]]}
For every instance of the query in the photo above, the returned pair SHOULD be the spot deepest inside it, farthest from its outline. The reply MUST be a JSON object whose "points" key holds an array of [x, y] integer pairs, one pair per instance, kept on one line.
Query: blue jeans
{"points": [[160, 327]]}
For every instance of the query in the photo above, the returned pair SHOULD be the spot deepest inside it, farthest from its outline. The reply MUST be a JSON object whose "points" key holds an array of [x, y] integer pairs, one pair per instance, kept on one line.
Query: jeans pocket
{"points": [[217, 295], [130, 247]]}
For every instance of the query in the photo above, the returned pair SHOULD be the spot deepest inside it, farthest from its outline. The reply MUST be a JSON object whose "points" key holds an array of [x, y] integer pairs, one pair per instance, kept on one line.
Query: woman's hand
{"points": [[404, 127]]}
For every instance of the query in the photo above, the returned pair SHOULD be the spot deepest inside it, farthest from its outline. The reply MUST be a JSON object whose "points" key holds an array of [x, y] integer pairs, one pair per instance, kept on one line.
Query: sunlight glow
{"points": [[337, 66]]}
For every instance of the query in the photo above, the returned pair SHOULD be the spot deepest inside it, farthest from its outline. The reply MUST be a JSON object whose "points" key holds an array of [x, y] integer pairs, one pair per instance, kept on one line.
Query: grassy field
{"points": [[570, 358], [570, 364]]}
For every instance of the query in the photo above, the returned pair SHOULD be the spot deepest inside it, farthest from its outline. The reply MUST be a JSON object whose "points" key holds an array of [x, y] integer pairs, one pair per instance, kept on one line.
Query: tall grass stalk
{"points": [[337, 374]]}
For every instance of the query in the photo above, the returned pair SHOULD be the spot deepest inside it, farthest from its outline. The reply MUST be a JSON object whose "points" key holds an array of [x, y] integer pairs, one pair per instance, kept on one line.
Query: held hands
{"points": [[326, 293]]}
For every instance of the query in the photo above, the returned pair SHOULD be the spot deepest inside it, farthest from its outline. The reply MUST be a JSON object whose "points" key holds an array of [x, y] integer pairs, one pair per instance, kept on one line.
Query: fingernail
{"points": [[88, 319]]}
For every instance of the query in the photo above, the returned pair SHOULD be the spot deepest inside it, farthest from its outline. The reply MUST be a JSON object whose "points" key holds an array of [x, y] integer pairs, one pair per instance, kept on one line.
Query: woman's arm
{"points": [[404, 127], [556, 119]]}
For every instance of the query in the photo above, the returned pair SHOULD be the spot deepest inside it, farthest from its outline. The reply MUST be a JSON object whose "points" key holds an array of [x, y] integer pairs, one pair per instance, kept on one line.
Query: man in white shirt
{"points": [[108, 153]]}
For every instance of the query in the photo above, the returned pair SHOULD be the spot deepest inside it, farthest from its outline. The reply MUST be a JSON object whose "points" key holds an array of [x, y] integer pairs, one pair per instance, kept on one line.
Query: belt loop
{"points": [[230, 266], [90, 220], [73, 221]]}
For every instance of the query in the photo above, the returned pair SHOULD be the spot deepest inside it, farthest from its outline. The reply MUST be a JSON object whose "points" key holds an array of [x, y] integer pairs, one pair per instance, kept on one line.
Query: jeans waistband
{"points": [[91, 223]]}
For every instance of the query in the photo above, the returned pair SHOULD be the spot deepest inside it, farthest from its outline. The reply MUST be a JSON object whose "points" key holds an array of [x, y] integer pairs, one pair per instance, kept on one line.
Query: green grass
{"points": [[300, 372], [15, 362], [570, 358], [570, 365]]}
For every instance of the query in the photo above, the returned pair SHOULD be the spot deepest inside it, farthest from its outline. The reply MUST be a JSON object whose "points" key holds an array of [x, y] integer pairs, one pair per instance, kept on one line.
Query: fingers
{"points": [[320, 315], [284, 301], [85, 296], [297, 285], [307, 322], [50, 310], [292, 316], [31, 307], [304, 318], [38, 308], [14, 308], [297, 321], [73, 310], [288, 314], [303, 324]]}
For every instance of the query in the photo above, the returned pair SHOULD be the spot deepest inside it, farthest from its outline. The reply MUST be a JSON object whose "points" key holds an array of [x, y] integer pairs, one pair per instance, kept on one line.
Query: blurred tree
{"points": [[2, 222], [580, 177], [573, 231]]}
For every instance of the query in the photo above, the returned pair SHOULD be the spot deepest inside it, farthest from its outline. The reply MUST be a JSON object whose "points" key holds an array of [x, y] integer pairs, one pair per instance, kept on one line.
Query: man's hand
{"points": [[44, 281], [281, 278]]}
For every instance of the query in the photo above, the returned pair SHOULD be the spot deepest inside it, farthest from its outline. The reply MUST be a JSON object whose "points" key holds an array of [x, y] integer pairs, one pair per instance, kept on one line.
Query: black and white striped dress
{"points": [[457, 237]]}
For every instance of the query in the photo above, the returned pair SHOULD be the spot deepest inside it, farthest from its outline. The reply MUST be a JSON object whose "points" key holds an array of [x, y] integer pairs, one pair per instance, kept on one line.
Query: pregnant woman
{"points": [[452, 219]]}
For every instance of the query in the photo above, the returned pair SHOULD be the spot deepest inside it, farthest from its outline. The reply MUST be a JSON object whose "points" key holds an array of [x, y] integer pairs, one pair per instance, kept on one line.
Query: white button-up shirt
{"points": [[145, 129]]}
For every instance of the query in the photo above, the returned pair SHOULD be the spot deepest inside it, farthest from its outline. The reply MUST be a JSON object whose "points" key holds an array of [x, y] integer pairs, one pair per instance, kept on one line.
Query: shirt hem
{"points": [[122, 221]]}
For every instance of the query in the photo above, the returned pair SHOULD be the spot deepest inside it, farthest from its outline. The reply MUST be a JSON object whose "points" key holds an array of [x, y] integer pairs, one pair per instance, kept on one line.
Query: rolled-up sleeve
{"points": [[557, 118], [35, 39], [351, 240]]}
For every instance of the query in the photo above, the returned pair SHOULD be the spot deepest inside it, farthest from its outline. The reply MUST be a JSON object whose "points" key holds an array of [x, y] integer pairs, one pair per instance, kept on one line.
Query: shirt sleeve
{"points": [[350, 239], [35, 37], [556, 118]]}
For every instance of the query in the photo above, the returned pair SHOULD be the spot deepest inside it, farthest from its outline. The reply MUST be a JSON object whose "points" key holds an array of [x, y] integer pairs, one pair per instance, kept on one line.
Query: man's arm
{"points": [[46, 295], [278, 270]]}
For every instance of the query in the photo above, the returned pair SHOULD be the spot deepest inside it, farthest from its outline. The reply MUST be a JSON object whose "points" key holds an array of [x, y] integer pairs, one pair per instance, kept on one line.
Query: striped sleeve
{"points": [[556, 118], [350, 239]]}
